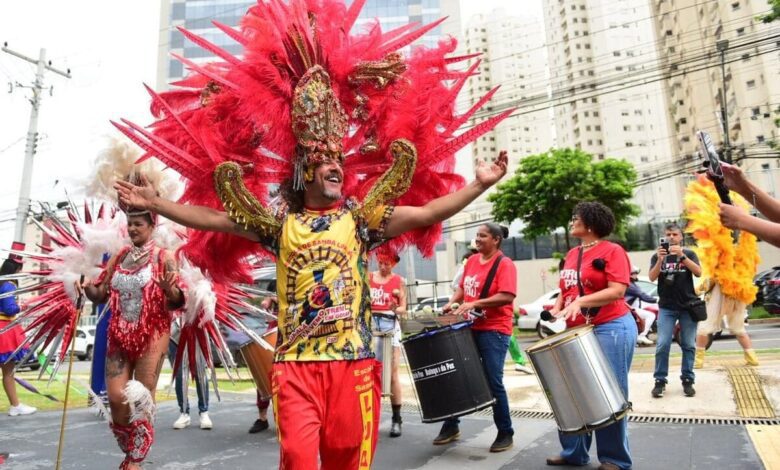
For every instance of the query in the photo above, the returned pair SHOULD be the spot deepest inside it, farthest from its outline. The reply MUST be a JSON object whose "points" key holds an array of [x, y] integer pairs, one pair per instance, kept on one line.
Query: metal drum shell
{"points": [[383, 347], [578, 381]]}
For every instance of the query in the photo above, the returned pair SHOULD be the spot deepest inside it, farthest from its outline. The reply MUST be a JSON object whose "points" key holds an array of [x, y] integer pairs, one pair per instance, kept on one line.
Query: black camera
{"points": [[664, 244]]}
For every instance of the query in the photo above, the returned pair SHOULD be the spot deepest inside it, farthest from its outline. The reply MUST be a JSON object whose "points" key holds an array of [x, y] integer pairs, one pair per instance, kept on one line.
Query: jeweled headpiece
{"points": [[319, 123]]}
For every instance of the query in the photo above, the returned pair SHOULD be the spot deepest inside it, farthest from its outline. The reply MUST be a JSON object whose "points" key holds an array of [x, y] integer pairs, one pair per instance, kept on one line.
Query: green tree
{"points": [[772, 15], [546, 187]]}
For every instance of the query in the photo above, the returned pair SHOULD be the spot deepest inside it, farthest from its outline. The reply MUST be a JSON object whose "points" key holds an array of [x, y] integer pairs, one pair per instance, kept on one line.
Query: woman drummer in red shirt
{"points": [[593, 282], [492, 328]]}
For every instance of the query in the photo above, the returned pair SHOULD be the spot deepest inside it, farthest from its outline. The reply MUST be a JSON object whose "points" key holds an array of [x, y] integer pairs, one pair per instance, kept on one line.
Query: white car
{"points": [[85, 343], [529, 313]]}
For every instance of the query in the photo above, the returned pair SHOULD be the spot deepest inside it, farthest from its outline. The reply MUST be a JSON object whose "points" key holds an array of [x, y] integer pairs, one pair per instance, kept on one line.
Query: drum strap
{"points": [[588, 312], [491, 275]]}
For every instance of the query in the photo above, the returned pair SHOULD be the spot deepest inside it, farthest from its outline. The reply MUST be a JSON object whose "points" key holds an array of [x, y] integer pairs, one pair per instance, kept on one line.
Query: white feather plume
{"points": [[169, 235], [106, 235], [140, 401], [117, 162], [199, 295]]}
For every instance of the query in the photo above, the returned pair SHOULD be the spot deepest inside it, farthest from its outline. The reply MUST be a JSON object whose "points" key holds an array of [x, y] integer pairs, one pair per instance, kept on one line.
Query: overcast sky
{"points": [[111, 48]]}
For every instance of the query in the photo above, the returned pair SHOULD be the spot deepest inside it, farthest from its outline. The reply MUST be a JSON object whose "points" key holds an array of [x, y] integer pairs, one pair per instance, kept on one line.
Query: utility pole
{"points": [[32, 134], [723, 46]]}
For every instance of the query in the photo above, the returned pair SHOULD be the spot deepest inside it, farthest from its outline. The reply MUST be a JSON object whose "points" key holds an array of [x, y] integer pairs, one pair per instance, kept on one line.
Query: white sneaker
{"points": [[524, 369], [21, 410], [182, 422], [205, 421], [642, 339]]}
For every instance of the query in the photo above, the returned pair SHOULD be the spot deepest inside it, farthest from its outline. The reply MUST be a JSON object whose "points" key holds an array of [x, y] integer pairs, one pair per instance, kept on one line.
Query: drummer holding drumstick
{"points": [[492, 328], [593, 282], [388, 305]]}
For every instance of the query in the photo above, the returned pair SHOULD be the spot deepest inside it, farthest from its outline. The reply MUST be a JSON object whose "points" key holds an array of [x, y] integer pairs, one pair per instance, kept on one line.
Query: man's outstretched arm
{"points": [[198, 217], [407, 218]]}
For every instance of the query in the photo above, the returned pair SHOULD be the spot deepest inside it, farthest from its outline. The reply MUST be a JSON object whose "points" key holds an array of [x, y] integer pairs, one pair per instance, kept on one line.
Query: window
{"points": [[755, 111], [751, 84], [735, 6], [760, 139], [629, 144], [740, 31], [626, 128], [616, 53]]}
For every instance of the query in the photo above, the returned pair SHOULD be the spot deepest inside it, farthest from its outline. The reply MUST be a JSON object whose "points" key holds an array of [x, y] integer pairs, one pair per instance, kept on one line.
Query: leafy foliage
{"points": [[546, 187]]}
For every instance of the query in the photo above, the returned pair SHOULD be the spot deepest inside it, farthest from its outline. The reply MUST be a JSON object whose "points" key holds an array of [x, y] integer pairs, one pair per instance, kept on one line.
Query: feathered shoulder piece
{"points": [[307, 87]]}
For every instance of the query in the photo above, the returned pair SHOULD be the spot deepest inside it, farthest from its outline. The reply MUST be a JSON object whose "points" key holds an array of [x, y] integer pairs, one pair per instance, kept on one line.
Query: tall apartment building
{"points": [[599, 50], [513, 56], [699, 35]]}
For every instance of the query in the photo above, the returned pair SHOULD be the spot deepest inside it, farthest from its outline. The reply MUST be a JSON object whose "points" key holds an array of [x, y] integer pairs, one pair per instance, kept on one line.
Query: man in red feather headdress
{"points": [[311, 114]]}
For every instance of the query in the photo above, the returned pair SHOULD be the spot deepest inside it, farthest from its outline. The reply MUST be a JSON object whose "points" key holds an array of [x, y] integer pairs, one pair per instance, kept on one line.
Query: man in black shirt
{"points": [[674, 268]]}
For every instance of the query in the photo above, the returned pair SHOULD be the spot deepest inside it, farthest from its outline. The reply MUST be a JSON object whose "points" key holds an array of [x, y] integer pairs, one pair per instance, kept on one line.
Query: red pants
{"points": [[330, 409]]}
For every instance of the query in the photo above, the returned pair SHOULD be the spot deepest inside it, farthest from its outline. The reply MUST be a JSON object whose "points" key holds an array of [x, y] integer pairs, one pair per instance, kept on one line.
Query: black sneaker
{"points": [[260, 425], [447, 435], [503, 442], [395, 429], [658, 390], [688, 389]]}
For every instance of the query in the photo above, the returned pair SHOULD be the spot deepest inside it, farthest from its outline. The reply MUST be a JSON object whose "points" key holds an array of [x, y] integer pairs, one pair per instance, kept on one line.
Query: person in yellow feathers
{"points": [[326, 387], [718, 307]]}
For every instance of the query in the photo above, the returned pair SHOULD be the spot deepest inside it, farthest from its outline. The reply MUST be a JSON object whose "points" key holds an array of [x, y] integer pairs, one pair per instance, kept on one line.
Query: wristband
{"points": [[683, 258]]}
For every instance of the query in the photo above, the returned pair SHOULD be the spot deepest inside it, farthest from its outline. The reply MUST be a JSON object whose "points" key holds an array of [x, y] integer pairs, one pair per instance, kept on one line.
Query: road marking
{"points": [[749, 393], [766, 440]]}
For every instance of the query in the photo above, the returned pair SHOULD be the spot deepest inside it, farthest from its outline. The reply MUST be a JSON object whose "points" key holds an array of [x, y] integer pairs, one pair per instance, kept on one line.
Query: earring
{"points": [[589, 230]]}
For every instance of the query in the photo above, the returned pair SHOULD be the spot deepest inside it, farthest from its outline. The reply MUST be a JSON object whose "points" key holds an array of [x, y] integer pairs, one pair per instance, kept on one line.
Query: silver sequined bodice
{"points": [[130, 287]]}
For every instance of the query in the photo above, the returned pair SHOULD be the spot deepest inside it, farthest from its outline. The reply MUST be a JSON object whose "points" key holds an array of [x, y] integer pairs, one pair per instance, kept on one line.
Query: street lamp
{"points": [[722, 46]]}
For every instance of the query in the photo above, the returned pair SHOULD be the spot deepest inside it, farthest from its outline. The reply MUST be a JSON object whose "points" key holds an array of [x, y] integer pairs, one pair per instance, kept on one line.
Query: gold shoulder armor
{"points": [[396, 180], [240, 204]]}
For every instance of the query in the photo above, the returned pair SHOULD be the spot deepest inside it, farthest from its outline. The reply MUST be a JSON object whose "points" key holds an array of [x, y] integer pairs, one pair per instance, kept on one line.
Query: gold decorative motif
{"points": [[379, 72], [242, 207], [211, 88], [396, 180], [319, 123]]}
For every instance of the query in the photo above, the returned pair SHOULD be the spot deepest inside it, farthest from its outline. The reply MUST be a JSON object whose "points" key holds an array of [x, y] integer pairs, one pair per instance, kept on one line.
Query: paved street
{"points": [[32, 444]]}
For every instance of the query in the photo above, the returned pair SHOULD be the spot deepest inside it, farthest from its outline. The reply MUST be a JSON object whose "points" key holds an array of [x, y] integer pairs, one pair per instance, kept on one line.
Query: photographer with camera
{"points": [[735, 217], [674, 267]]}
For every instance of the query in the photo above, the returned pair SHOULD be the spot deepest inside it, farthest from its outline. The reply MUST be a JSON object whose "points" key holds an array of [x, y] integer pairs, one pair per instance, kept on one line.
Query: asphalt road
{"points": [[31, 444], [764, 336]]}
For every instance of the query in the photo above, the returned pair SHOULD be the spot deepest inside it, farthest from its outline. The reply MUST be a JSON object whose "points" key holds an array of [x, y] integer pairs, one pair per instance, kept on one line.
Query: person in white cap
{"points": [[634, 296]]}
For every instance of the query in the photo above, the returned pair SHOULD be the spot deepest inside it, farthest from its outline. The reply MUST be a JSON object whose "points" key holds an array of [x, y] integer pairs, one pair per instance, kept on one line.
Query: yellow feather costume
{"points": [[732, 266]]}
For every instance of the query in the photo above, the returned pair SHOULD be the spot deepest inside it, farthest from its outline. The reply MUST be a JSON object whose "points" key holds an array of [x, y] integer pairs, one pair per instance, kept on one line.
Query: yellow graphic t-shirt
{"points": [[324, 299]]}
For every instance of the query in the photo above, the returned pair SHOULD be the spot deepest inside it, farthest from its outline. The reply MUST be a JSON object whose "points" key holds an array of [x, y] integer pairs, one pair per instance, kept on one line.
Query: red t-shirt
{"points": [[382, 294], [473, 279], [616, 269]]}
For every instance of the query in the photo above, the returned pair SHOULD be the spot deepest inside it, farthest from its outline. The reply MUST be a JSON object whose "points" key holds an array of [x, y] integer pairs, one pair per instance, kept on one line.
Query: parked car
{"points": [[531, 320], [84, 344], [771, 292], [30, 364], [760, 282]]}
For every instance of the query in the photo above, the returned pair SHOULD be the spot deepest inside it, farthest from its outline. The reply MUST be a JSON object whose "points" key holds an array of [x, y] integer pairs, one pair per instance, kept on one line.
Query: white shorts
{"points": [[386, 325], [718, 306]]}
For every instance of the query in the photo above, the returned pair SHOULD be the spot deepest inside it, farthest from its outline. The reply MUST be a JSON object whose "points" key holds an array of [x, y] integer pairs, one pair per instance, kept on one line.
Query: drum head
{"points": [[560, 338]]}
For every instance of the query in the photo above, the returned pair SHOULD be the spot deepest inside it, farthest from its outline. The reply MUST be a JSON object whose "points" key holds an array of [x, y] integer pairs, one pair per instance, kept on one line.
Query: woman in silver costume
{"points": [[140, 283]]}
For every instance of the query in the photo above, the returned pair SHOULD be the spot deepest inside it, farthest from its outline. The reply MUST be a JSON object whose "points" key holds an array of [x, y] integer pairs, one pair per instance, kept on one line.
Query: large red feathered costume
{"points": [[242, 110]]}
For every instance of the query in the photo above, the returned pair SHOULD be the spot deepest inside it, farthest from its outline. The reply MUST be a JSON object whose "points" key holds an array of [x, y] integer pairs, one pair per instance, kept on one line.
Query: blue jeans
{"points": [[203, 393], [617, 339], [666, 321], [493, 347]]}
